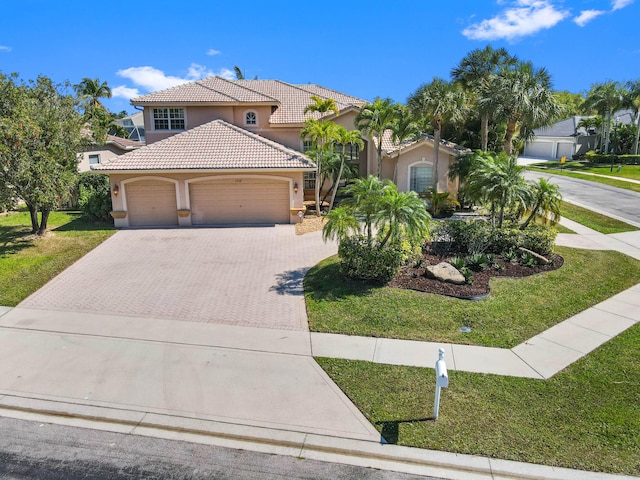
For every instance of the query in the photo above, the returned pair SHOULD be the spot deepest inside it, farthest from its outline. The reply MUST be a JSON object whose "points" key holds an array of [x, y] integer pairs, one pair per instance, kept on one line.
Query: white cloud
{"points": [[226, 73], [522, 18], [151, 79], [618, 4], [586, 16], [212, 52], [4, 48], [124, 92], [196, 72]]}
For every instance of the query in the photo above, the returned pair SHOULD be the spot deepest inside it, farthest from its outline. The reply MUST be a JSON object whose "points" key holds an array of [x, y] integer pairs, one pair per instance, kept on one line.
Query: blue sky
{"points": [[363, 48]]}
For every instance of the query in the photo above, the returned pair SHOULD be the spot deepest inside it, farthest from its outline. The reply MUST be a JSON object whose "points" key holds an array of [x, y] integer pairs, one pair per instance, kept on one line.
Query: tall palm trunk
{"points": [[508, 137], [339, 177], [484, 131], [635, 147], [437, 126]]}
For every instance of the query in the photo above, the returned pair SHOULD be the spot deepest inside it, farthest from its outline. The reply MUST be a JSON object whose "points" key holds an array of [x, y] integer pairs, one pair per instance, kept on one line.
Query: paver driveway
{"points": [[238, 276]]}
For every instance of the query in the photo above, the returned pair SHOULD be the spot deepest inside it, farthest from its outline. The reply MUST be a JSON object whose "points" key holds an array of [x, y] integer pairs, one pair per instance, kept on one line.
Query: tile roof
{"points": [[389, 147], [289, 99], [124, 143], [216, 145]]}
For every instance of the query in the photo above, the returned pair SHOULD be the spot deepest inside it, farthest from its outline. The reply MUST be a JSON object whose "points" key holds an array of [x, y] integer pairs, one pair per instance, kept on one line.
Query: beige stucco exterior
{"points": [[182, 182], [105, 153]]}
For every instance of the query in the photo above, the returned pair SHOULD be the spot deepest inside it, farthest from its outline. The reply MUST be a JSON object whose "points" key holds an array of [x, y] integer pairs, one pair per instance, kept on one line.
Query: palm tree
{"points": [[402, 215], [402, 129], [373, 119], [589, 124], [322, 135], [634, 94], [93, 90], [546, 199], [606, 98], [365, 198], [344, 137], [497, 179], [438, 102], [522, 96], [322, 105], [341, 223], [476, 72], [238, 73]]}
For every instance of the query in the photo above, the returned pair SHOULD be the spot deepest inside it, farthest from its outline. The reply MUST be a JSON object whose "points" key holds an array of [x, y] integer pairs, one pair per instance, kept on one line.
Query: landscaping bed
{"points": [[413, 277]]}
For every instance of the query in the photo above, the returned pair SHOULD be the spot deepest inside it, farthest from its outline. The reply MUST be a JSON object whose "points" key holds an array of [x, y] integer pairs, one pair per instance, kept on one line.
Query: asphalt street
{"points": [[615, 202], [43, 451]]}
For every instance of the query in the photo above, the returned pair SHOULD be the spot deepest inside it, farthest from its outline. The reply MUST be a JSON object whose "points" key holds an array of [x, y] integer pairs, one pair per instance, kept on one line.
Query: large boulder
{"points": [[445, 272]]}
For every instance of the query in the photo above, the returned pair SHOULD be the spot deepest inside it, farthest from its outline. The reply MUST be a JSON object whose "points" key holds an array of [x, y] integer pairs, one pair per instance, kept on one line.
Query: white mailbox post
{"points": [[442, 381]]}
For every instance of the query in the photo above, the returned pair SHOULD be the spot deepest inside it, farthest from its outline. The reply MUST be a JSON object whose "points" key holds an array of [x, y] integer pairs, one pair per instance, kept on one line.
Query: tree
{"points": [[606, 98], [438, 102], [571, 104], [39, 144], [322, 135], [476, 72], [546, 201], [238, 73], [634, 94], [522, 97], [402, 129], [344, 137], [322, 105], [92, 90], [373, 119], [497, 179]]}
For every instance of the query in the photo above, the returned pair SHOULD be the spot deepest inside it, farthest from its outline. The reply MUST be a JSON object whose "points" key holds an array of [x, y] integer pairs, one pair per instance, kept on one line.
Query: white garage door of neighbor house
{"points": [[565, 150], [239, 201], [539, 149], [151, 203]]}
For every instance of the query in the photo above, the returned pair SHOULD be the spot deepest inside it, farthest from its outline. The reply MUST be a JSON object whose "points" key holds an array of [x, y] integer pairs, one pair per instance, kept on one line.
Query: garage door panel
{"points": [[239, 202], [540, 149], [151, 203]]}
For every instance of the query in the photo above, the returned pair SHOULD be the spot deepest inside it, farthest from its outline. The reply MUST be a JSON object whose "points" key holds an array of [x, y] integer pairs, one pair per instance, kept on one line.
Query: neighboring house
{"points": [[565, 139], [112, 148], [229, 152], [134, 126]]}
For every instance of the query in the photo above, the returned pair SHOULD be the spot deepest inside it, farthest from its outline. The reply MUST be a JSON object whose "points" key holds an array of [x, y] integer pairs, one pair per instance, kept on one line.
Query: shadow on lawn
{"points": [[14, 239], [82, 224], [390, 429], [327, 281]]}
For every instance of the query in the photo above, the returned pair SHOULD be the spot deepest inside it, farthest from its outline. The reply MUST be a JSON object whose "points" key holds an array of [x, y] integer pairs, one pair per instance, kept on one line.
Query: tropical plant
{"points": [[634, 94], [441, 202], [435, 103], [498, 180], [374, 119], [522, 97], [546, 201], [92, 90], [403, 129], [344, 137], [322, 105], [238, 73], [605, 98], [477, 72]]}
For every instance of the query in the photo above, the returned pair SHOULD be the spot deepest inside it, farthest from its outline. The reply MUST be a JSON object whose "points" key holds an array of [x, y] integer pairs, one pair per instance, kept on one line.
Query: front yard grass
{"points": [[28, 262], [595, 221], [516, 310], [592, 178], [585, 417]]}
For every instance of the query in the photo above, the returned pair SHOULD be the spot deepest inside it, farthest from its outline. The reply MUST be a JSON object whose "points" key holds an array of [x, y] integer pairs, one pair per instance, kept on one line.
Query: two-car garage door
{"points": [[239, 201], [219, 202]]}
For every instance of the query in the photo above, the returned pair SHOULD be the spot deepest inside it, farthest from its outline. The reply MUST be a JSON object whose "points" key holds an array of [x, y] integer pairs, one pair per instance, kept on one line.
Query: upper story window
{"points": [[94, 159], [168, 118], [307, 145], [250, 118]]}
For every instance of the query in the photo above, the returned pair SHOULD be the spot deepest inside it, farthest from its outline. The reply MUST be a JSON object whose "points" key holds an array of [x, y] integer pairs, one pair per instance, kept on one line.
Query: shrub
{"points": [[477, 262], [463, 236], [457, 263], [528, 260], [538, 238], [360, 261], [94, 196]]}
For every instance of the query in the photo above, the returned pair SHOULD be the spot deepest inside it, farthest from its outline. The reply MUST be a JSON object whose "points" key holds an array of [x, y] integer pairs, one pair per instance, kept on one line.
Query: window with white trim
{"points": [[168, 118], [94, 159], [251, 119], [420, 178], [309, 180]]}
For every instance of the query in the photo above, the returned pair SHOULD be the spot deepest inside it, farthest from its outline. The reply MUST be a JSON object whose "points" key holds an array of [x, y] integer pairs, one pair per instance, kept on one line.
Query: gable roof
{"points": [[216, 145], [390, 148], [290, 100], [568, 126], [124, 143]]}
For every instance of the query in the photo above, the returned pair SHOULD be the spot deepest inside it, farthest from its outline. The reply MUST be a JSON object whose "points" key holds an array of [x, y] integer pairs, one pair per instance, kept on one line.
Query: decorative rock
{"points": [[445, 272], [539, 257]]}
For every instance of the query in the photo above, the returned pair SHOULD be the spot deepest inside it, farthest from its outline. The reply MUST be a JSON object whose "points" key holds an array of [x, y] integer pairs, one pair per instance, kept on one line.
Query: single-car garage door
{"points": [[151, 203], [239, 201], [565, 150], [539, 149]]}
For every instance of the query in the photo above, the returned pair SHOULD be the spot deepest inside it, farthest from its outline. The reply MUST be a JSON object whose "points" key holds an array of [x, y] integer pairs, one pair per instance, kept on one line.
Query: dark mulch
{"points": [[412, 277]]}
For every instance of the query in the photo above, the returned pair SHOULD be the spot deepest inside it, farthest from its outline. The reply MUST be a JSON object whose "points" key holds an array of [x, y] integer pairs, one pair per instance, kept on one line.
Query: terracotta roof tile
{"points": [[216, 145], [124, 143]]}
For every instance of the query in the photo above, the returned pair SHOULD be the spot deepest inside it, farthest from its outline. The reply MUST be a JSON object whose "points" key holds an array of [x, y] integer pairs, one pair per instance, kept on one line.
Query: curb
{"points": [[311, 446]]}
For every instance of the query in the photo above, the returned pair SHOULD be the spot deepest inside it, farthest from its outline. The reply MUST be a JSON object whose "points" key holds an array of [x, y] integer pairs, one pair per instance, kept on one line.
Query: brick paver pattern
{"points": [[237, 276]]}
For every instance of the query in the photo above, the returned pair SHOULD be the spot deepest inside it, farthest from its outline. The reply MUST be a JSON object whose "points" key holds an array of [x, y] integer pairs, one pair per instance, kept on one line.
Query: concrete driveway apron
{"points": [[237, 276]]}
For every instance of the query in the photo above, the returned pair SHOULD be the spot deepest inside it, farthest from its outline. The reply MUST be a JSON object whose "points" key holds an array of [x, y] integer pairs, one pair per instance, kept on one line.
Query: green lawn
{"points": [[592, 178], [585, 417], [28, 262], [517, 309], [596, 221]]}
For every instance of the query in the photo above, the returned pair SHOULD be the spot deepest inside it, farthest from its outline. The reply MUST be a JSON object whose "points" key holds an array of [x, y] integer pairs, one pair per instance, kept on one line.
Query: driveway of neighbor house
{"points": [[236, 276]]}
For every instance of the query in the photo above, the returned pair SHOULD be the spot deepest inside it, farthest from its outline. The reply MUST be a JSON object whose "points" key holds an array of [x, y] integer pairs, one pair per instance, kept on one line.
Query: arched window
{"points": [[250, 118]]}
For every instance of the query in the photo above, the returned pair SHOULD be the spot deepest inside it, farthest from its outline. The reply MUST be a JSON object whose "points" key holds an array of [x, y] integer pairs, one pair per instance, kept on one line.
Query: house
{"points": [[134, 126], [565, 138], [114, 147], [229, 152]]}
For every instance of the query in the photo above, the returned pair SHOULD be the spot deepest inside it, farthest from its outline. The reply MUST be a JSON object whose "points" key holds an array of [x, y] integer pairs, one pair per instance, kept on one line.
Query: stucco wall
{"points": [[423, 154], [106, 152]]}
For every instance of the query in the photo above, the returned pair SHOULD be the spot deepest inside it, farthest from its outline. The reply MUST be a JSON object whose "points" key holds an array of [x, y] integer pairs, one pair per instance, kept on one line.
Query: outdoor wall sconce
{"points": [[116, 189], [295, 187]]}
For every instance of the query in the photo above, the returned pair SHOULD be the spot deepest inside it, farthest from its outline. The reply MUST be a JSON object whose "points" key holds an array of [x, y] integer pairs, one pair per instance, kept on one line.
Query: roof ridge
{"points": [[260, 138], [243, 87], [164, 90], [331, 90]]}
